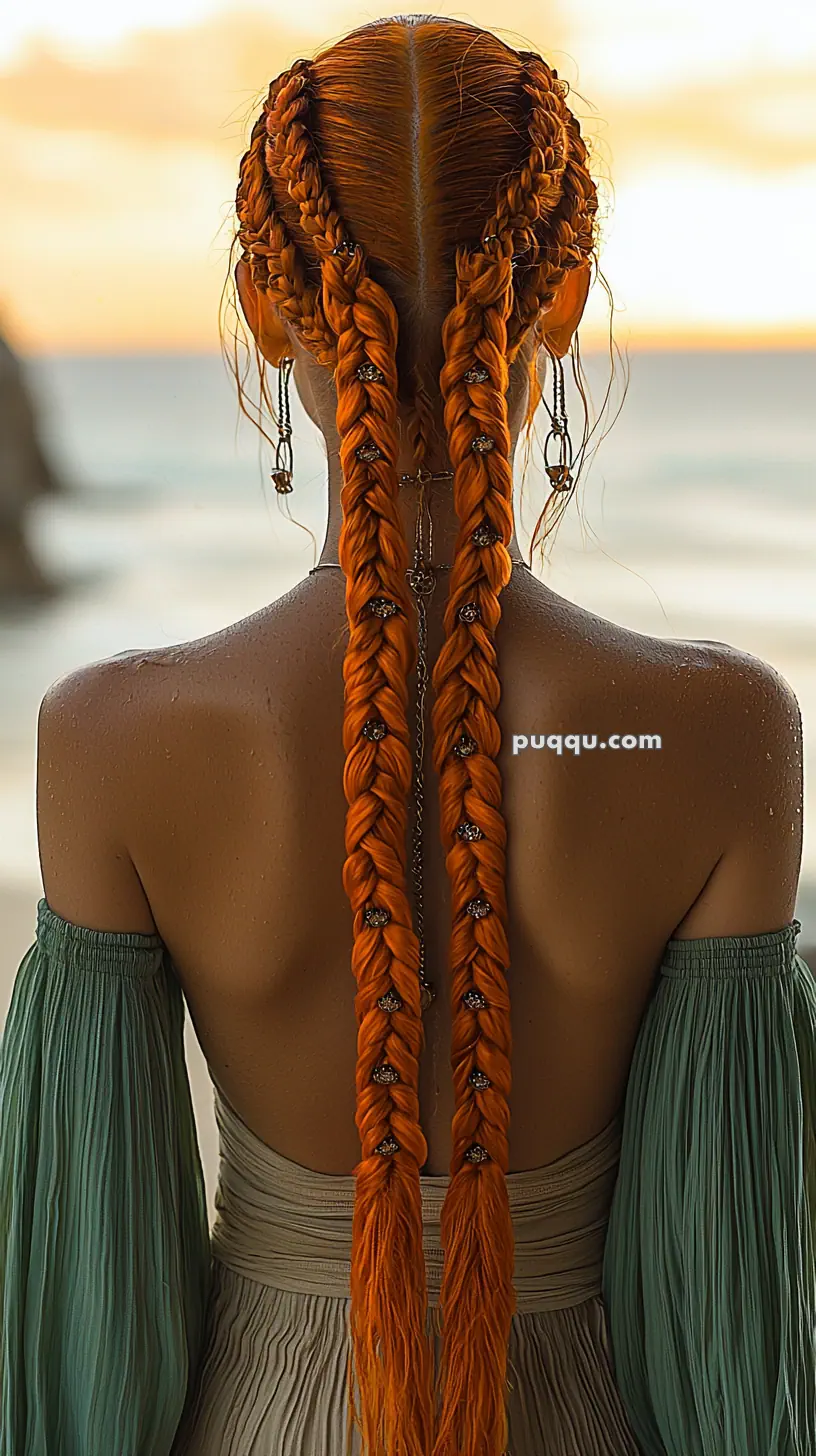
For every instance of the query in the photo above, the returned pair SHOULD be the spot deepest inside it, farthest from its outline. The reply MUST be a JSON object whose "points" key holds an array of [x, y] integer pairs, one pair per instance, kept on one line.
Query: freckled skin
{"points": [[214, 770]]}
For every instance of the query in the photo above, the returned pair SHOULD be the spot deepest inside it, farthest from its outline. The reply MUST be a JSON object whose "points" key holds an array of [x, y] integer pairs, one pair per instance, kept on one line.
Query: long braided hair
{"points": [[497, 204]]}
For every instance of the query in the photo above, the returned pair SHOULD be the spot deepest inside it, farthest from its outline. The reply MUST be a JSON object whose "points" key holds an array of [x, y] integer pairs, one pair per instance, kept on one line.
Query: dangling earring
{"points": [[284, 460], [560, 473]]}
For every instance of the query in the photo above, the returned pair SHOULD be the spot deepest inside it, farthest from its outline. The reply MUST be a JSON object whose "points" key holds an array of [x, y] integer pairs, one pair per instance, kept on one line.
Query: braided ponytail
{"points": [[478, 1299], [388, 1289], [288, 222]]}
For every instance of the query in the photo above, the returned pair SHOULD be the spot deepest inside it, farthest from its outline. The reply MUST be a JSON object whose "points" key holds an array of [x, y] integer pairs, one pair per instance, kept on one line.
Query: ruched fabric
{"points": [[664, 1270], [709, 1275], [104, 1238], [273, 1376]]}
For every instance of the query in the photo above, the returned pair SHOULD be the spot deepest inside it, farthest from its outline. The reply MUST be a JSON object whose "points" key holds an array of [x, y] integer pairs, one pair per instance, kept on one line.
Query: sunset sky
{"points": [[121, 128]]}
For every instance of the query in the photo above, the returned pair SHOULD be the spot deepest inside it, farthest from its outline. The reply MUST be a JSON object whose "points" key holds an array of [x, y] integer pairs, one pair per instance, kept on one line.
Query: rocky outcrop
{"points": [[25, 475]]}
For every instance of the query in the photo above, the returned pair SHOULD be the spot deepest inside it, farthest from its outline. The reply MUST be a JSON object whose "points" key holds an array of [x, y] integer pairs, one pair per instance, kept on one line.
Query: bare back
{"points": [[235, 819]]}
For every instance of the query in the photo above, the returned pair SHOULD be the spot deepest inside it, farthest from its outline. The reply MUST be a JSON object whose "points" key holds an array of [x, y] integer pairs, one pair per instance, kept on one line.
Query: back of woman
{"points": [[481, 905]]}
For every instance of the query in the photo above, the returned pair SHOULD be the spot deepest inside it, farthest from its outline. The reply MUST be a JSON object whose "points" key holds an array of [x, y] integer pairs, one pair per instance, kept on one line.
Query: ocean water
{"points": [[697, 519]]}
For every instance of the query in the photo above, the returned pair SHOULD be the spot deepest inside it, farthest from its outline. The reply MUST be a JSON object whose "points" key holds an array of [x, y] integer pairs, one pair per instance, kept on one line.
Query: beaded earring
{"points": [[560, 470], [284, 462]]}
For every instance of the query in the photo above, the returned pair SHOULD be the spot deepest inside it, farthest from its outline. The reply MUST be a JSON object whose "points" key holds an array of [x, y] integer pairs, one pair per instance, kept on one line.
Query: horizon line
{"points": [[753, 341]]}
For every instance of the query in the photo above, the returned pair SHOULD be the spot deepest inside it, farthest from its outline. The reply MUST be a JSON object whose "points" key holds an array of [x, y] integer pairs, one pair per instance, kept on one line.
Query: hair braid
{"points": [[388, 1314], [478, 1298], [570, 223], [276, 264], [542, 226]]}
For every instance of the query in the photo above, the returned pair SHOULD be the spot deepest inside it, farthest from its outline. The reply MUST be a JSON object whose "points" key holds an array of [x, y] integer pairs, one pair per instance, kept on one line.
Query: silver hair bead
{"points": [[369, 373], [474, 1000], [421, 580], [477, 1154], [382, 606], [368, 452], [374, 729], [346, 247], [376, 916], [385, 1074], [478, 1079], [469, 612], [388, 1146], [465, 746], [478, 908], [485, 535], [468, 830], [391, 1001], [477, 374], [482, 444]]}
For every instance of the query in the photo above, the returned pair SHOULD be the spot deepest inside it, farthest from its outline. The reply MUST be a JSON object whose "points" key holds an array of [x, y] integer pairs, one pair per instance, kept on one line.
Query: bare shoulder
{"points": [[101, 718], [85, 747], [750, 730], [734, 777]]}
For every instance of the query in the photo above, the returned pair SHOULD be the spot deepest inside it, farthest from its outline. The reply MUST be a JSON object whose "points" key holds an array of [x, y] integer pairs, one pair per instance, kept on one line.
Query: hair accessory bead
{"points": [[388, 1146], [485, 535], [478, 908], [482, 444], [374, 729], [385, 1074], [465, 746], [391, 1001], [369, 373], [346, 247], [368, 452], [421, 580], [469, 612], [477, 1154], [560, 476], [474, 1000], [382, 606], [478, 1079], [376, 916], [468, 830], [477, 374]]}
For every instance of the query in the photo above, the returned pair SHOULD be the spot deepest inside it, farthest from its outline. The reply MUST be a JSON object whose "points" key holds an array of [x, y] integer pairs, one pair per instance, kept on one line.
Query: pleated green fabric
{"points": [[105, 1263], [709, 1279]]}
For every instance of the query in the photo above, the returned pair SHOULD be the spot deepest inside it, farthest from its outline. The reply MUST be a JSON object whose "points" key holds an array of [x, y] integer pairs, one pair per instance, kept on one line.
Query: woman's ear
{"points": [[260, 313], [558, 323]]}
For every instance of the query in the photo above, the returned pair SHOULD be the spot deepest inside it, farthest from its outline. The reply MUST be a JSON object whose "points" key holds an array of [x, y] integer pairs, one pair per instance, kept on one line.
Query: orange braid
{"points": [[288, 224], [478, 1299], [388, 1315], [276, 265]]}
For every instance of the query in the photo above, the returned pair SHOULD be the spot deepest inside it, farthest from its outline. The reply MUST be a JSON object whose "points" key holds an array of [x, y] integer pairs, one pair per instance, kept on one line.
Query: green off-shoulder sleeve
{"points": [[709, 1277], [104, 1239]]}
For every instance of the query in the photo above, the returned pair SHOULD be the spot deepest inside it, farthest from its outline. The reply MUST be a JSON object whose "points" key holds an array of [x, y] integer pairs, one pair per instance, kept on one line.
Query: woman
{"points": [[628, 1259]]}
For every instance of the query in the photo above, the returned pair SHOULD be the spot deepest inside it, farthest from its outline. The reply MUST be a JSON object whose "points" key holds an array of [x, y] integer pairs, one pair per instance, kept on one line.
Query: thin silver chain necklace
{"points": [[422, 581]]}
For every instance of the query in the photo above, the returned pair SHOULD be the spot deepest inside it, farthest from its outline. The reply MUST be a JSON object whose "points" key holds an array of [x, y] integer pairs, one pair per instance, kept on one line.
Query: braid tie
{"points": [[390, 1344]]}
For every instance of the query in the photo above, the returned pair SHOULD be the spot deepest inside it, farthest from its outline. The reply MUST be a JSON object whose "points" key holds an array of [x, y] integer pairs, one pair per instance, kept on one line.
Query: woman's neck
{"points": [[439, 499]]}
